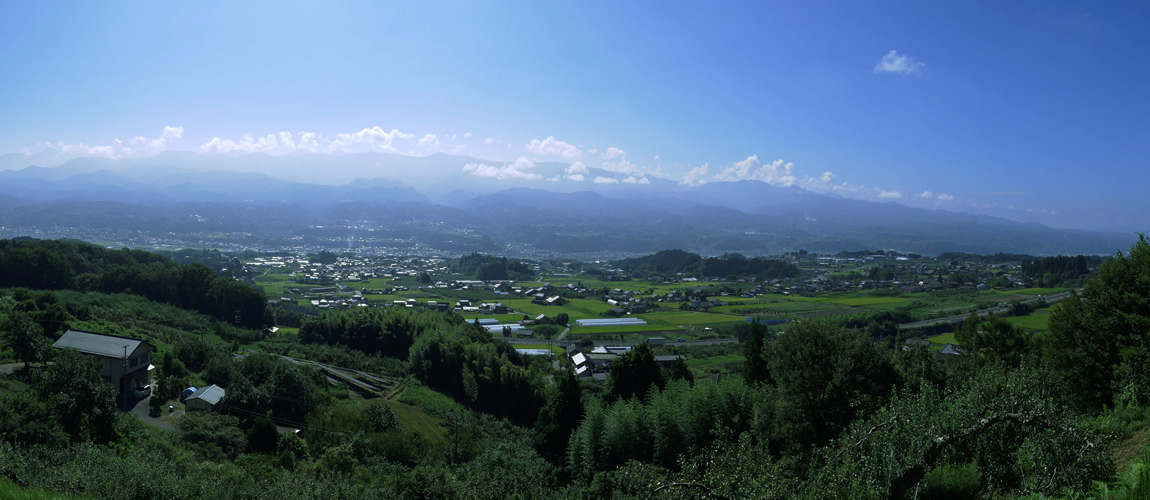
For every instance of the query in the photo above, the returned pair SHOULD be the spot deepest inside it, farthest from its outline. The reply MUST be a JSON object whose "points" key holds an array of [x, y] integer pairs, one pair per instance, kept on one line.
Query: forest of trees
{"points": [[1054, 271], [674, 262], [487, 267], [73, 265], [820, 411], [996, 258]]}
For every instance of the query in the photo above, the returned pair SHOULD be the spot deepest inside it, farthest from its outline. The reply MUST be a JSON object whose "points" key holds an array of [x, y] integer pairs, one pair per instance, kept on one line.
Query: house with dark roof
{"points": [[950, 351], [127, 362], [205, 399]]}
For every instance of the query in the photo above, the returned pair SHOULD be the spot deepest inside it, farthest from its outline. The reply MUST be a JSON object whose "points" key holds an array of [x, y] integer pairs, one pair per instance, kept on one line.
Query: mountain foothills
{"points": [[354, 200], [857, 375]]}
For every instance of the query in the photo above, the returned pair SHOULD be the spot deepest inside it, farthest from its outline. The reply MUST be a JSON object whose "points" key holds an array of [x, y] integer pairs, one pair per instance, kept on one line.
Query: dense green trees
{"points": [[387, 331], [486, 267], [1053, 271], [635, 373], [1099, 343], [995, 339], [755, 370], [381, 417], [1011, 425], [58, 265], [674, 262], [559, 416], [678, 420], [70, 398], [463, 361], [825, 378], [25, 337]]}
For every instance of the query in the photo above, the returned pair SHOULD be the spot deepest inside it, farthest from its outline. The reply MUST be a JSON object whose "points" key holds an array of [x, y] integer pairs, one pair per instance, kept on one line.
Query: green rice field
{"points": [[1037, 320]]}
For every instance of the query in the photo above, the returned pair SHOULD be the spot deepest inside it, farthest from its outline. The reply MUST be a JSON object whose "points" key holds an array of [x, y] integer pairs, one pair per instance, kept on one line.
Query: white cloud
{"points": [[825, 183], [374, 138], [696, 176], [553, 147], [636, 179], [520, 169], [105, 151], [458, 149], [848, 187], [307, 141], [286, 140], [576, 168], [466, 134], [159, 143], [945, 197], [246, 144], [776, 173], [889, 194], [575, 171], [82, 149], [606, 180], [893, 62], [488, 140], [926, 194], [430, 141], [614, 152], [623, 166], [593, 150], [168, 134]]}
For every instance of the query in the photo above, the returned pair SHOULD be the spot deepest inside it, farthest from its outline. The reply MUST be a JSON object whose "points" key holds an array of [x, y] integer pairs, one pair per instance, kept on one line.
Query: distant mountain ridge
{"points": [[179, 192]]}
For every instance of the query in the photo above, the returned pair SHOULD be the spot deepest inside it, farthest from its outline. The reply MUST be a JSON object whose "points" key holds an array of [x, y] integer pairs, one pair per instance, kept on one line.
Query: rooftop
{"points": [[99, 344], [212, 394]]}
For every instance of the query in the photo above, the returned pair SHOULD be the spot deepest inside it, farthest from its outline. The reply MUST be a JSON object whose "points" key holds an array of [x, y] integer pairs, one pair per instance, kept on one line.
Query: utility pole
{"points": [[203, 326], [455, 420], [124, 371]]}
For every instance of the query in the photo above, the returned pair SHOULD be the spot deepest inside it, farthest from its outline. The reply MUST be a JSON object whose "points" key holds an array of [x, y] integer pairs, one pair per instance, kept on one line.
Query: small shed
{"points": [[205, 399]]}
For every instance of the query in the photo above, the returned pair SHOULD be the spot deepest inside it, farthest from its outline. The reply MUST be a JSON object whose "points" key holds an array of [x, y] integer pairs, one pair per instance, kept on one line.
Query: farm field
{"points": [[596, 330], [575, 309], [867, 300], [1037, 320], [669, 318], [940, 341], [780, 307], [691, 318], [415, 419], [703, 366]]}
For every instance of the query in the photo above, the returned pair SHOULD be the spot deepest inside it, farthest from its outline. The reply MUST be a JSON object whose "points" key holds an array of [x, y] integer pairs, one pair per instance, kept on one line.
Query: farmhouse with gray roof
{"points": [[205, 399], [127, 362]]}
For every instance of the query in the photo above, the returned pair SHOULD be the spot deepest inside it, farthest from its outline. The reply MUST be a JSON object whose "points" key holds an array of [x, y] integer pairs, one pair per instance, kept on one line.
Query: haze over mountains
{"points": [[462, 203]]}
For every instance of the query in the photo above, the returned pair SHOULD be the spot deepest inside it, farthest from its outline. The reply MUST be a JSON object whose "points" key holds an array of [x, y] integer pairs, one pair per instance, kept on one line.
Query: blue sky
{"points": [[1027, 110]]}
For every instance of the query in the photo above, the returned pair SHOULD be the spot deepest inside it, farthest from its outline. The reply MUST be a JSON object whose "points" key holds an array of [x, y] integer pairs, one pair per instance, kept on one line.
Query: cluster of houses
{"points": [[948, 351], [625, 302], [466, 307], [596, 363]]}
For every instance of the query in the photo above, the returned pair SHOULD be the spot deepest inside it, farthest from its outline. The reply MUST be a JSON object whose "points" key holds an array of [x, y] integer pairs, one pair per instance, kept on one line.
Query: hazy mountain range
{"points": [[468, 204]]}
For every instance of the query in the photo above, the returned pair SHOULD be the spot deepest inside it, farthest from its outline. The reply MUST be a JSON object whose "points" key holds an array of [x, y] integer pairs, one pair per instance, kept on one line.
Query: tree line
{"points": [[1053, 271], [73, 265], [675, 262], [487, 267]]}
